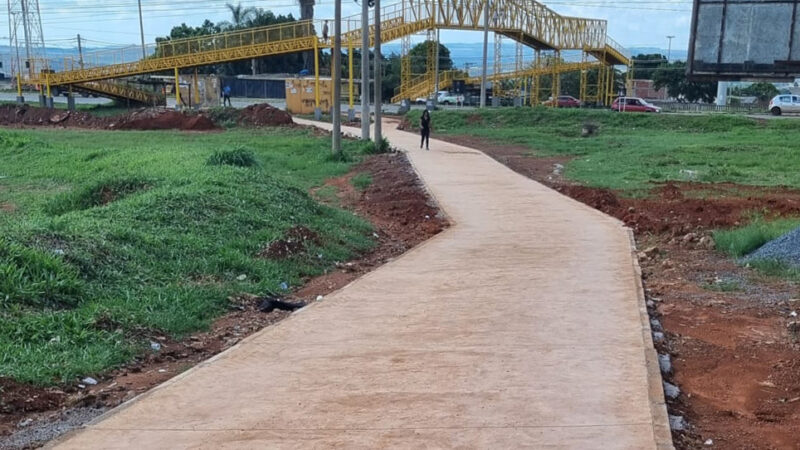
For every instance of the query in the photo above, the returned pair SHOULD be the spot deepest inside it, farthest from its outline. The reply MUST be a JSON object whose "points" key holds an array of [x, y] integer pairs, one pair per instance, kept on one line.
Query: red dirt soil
{"points": [[142, 119], [734, 352], [264, 114], [259, 115], [163, 119], [295, 242], [403, 216]]}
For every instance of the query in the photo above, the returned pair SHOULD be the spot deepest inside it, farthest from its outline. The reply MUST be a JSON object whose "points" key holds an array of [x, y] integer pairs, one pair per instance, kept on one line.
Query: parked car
{"points": [[564, 101], [633, 104], [784, 104], [446, 98], [421, 100]]}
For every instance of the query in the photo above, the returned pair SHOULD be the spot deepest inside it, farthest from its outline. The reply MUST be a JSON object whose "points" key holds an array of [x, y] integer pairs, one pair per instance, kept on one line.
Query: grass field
{"points": [[631, 151], [108, 237], [635, 152]]}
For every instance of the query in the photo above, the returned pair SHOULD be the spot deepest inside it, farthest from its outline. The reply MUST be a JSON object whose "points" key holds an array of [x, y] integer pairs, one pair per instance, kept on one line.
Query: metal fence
{"points": [[708, 107], [255, 88]]}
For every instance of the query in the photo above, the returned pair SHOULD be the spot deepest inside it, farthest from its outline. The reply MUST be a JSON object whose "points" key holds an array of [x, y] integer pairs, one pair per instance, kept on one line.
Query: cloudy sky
{"points": [[633, 23]]}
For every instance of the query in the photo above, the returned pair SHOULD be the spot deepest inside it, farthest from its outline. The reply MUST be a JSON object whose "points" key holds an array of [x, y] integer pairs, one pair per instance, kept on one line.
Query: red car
{"points": [[564, 101], [633, 104]]}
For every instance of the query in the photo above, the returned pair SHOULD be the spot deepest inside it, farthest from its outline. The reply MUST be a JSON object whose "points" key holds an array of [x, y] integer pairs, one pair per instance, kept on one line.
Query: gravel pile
{"points": [[785, 249]]}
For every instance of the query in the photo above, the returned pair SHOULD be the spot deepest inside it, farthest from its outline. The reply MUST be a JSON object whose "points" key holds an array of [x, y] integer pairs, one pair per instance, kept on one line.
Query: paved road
{"points": [[520, 326]]}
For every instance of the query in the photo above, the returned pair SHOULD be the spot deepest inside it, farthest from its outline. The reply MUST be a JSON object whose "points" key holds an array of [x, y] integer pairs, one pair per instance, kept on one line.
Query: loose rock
{"points": [[665, 364], [678, 423], [671, 391]]}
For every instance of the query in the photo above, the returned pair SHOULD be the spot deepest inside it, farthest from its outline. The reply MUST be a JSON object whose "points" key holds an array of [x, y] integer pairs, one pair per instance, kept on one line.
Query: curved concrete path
{"points": [[522, 325]]}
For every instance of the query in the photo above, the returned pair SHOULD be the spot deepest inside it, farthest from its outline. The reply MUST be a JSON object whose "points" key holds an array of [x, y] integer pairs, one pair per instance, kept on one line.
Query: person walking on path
{"points": [[425, 129], [226, 96]]}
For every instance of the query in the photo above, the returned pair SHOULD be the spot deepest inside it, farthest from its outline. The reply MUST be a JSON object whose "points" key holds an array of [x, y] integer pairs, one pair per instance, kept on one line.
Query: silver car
{"points": [[784, 103]]}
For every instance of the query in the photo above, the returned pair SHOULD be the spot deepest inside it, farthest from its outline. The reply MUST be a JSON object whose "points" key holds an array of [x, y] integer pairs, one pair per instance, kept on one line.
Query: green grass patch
{"points": [[239, 157], [632, 151], [723, 286], [744, 240], [777, 269], [121, 235], [361, 181]]}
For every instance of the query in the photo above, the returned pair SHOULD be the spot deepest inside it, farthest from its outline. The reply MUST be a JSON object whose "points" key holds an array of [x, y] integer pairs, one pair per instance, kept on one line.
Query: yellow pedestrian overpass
{"points": [[528, 22]]}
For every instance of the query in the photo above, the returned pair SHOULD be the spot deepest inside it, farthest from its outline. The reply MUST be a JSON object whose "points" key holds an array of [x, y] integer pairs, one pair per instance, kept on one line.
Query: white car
{"points": [[446, 98], [785, 103]]}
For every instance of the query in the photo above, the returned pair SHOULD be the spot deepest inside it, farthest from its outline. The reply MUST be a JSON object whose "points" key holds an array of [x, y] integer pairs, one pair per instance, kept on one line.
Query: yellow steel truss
{"points": [[525, 21], [123, 92]]}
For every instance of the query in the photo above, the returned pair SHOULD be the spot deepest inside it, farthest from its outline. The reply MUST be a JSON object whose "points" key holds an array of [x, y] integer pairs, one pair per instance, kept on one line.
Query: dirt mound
{"points": [[264, 114], [143, 119], [163, 119], [17, 397], [293, 243], [24, 115]]}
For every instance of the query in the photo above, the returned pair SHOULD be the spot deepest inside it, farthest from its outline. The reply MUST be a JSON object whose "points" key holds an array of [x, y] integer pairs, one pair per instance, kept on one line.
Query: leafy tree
{"points": [[645, 65], [242, 18], [673, 77], [419, 57], [763, 91]]}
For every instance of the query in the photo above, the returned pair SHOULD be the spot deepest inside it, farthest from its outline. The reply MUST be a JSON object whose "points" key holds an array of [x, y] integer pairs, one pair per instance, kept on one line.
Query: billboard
{"points": [[745, 39]]}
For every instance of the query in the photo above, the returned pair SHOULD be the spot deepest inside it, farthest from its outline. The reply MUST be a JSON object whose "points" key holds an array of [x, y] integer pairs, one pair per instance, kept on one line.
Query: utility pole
{"points": [[669, 47], [364, 70], [80, 52], [436, 68], [336, 78], [485, 52], [141, 30], [378, 69]]}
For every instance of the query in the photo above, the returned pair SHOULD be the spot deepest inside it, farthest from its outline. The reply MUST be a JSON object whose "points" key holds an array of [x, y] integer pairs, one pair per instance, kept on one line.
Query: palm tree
{"points": [[239, 14], [239, 19]]}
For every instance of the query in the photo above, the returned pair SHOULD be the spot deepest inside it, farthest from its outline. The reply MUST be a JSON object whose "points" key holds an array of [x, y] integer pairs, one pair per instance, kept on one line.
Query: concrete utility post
{"points": [[485, 53], [336, 78], [378, 68], [364, 70], [669, 47], [80, 52], [436, 69], [141, 30]]}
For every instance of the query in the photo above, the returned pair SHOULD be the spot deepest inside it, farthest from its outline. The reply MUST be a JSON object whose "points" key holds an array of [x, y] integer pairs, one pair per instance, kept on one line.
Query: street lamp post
{"points": [[336, 78], [669, 47], [485, 52], [141, 30], [364, 70], [378, 61]]}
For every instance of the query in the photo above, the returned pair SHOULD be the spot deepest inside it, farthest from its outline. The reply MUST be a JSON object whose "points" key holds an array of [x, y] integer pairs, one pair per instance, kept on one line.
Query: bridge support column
{"points": [[351, 111], [20, 98], [71, 100], [177, 90]]}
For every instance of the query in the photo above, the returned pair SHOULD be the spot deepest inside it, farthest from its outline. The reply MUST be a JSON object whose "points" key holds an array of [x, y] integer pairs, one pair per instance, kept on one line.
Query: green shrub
{"points": [[361, 181], [96, 194], [239, 157], [744, 240], [32, 277]]}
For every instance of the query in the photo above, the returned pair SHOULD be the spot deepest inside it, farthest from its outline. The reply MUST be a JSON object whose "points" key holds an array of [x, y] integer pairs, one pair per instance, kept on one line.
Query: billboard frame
{"points": [[782, 70]]}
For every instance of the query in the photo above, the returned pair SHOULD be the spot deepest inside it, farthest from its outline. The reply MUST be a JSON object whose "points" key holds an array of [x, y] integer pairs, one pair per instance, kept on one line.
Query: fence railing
{"points": [[708, 107]]}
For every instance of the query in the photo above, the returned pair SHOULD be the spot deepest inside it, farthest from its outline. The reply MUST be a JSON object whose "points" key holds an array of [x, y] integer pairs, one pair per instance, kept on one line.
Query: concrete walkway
{"points": [[523, 325]]}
